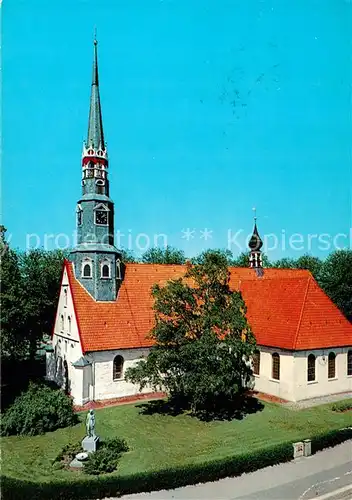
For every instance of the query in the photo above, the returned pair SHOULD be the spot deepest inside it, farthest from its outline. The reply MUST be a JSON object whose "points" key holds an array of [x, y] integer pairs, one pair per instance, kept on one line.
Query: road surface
{"points": [[324, 476]]}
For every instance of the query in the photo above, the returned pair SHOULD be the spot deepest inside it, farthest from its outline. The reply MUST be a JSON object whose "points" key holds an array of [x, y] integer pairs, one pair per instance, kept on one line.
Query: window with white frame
{"points": [[105, 269], [79, 214], [118, 270], [87, 268]]}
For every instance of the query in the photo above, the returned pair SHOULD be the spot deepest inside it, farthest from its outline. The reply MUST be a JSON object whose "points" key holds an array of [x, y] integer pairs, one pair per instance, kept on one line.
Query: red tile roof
{"points": [[285, 308]]}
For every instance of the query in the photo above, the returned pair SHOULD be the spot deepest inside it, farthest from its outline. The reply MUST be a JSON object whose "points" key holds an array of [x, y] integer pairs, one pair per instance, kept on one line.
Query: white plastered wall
{"points": [[293, 384], [66, 344], [283, 388], [322, 385], [105, 387]]}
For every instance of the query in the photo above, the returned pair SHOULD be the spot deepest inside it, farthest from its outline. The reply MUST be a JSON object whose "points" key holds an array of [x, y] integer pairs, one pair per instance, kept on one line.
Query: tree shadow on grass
{"points": [[236, 409], [170, 406]]}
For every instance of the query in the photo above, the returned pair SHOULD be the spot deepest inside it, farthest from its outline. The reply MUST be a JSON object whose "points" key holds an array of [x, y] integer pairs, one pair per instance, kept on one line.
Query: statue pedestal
{"points": [[90, 444]]}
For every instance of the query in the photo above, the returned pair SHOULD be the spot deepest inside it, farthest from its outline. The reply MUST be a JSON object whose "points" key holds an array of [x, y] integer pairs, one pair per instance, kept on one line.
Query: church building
{"points": [[105, 307]]}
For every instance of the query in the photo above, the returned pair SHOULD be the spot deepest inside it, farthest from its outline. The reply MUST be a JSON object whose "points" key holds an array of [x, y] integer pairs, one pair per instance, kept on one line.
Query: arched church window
{"points": [[118, 270], [65, 297], [69, 324], [79, 215], [118, 368], [105, 270], [62, 322], [100, 186], [87, 269]]}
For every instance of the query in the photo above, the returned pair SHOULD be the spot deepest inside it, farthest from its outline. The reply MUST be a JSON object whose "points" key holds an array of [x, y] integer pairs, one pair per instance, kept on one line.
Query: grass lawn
{"points": [[158, 441]]}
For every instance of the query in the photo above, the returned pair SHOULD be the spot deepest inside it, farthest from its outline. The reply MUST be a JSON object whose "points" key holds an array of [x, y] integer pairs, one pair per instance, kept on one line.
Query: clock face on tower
{"points": [[101, 217]]}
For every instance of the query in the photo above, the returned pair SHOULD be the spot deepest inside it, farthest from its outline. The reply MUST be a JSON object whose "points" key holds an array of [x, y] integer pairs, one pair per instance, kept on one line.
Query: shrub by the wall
{"points": [[37, 410], [341, 406]]}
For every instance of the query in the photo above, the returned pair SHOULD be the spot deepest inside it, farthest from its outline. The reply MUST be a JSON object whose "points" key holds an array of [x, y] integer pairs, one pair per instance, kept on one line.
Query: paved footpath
{"points": [[326, 475], [308, 403]]}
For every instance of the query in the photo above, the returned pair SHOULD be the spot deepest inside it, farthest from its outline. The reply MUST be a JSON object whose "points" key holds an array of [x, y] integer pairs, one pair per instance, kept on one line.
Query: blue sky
{"points": [[210, 107]]}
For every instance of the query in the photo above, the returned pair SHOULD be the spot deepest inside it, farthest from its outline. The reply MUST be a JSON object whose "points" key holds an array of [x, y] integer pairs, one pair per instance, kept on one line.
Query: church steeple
{"points": [[255, 244], [95, 137], [95, 155], [96, 259]]}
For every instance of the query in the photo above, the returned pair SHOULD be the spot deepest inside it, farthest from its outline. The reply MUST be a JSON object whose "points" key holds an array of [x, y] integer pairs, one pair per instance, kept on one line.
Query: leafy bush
{"points": [[342, 406], [39, 409], [102, 461], [116, 444], [106, 458], [94, 487]]}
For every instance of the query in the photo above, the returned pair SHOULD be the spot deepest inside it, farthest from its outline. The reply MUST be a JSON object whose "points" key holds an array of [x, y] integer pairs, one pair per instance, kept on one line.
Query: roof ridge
{"points": [[153, 264], [302, 310], [68, 268]]}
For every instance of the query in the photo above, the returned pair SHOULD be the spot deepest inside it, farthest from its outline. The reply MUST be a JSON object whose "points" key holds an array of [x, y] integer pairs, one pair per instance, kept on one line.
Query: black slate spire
{"points": [[95, 136], [255, 244]]}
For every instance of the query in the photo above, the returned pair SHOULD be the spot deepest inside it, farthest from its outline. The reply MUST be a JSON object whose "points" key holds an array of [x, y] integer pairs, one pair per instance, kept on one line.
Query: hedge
{"points": [[342, 406], [105, 486]]}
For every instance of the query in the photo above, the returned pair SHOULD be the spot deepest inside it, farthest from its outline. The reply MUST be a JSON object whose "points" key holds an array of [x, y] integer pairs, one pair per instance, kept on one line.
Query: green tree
{"points": [[202, 341], [285, 263], [335, 278], [40, 273], [128, 256], [167, 255], [30, 283], [313, 264], [12, 343], [224, 253]]}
